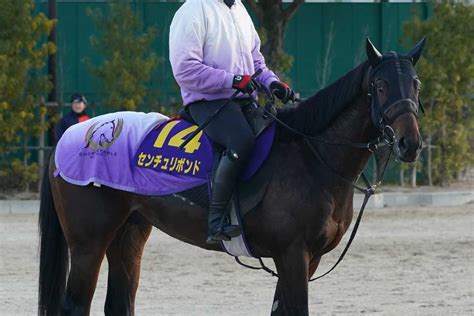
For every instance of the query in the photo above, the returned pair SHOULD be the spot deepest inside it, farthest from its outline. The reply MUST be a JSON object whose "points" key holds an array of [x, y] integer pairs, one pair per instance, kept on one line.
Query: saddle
{"points": [[159, 151], [255, 115]]}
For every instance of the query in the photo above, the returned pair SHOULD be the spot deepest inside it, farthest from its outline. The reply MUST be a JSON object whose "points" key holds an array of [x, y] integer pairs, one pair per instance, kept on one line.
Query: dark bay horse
{"points": [[303, 215]]}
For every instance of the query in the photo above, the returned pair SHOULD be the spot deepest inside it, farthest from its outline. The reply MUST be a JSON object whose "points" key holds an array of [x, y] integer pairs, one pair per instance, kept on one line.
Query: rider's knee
{"points": [[242, 149]]}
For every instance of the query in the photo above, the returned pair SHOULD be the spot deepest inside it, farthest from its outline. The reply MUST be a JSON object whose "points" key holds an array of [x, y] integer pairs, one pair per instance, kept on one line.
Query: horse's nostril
{"points": [[403, 145]]}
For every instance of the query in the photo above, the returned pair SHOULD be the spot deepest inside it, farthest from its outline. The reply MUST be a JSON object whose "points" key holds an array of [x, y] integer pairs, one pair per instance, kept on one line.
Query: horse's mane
{"points": [[318, 112]]}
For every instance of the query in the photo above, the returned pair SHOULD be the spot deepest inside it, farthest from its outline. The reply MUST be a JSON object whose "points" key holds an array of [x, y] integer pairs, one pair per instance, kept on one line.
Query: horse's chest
{"points": [[334, 229]]}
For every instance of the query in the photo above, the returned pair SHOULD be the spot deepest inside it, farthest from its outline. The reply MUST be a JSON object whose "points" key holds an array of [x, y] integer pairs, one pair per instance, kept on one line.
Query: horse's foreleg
{"points": [[291, 295], [124, 256], [278, 305]]}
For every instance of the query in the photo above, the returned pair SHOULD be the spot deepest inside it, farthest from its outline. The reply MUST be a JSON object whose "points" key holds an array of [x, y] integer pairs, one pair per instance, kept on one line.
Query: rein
{"points": [[368, 192], [386, 139]]}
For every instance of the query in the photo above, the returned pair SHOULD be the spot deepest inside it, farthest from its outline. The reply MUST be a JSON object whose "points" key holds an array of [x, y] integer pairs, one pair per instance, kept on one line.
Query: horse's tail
{"points": [[54, 256]]}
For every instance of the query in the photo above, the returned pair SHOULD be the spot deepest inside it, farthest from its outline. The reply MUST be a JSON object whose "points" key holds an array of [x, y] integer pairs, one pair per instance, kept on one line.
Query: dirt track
{"points": [[406, 261]]}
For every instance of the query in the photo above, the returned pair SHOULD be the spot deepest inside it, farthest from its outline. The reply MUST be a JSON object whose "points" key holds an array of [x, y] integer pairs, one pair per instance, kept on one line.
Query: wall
{"points": [[306, 39]]}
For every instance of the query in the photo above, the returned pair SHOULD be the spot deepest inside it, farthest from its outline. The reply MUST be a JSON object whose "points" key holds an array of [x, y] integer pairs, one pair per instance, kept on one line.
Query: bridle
{"points": [[382, 117]]}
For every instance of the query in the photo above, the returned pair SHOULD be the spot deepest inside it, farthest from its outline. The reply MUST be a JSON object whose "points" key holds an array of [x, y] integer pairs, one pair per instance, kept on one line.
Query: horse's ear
{"points": [[416, 52], [372, 53]]}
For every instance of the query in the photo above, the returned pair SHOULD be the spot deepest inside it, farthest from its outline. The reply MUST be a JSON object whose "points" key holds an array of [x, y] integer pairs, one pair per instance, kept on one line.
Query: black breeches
{"points": [[229, 128]]}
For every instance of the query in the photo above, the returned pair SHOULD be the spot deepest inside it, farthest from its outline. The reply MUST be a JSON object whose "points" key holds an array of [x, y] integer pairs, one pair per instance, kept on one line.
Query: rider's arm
{"points": [[267, 76], [187, 35]]}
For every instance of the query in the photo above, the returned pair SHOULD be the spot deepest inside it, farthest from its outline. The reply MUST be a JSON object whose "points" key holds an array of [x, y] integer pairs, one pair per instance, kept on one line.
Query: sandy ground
{"points": [[413, 261]]}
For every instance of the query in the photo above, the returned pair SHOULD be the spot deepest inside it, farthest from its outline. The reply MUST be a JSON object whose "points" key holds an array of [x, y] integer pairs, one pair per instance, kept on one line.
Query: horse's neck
{"points": [[353, 125]]}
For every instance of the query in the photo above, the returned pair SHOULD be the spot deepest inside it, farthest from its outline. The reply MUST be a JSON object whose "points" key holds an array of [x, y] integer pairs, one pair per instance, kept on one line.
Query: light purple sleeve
{"points": [[186, 57], [192, 75], [267, 76]]}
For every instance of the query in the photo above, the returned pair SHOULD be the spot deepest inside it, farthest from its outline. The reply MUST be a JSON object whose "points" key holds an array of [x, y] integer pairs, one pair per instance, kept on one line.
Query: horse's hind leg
{"points": [[85, 267], [89, 217], [124, 256]]}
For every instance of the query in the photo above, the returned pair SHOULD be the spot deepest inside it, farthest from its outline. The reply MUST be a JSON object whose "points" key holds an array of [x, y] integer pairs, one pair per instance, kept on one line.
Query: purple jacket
{"points": [[209, 44]]}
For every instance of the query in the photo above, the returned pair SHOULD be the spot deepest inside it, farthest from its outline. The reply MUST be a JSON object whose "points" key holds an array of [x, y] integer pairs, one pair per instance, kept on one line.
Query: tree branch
{"points": [[291, 10], [256, 9]]}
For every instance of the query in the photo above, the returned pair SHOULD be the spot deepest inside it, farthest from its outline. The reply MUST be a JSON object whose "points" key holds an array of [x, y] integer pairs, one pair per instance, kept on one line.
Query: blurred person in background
{"points": [[77, 115]]}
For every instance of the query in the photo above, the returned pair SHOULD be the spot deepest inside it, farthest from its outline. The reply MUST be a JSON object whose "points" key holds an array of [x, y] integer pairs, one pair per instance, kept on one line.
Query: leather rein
{"points": [[386, 137]]}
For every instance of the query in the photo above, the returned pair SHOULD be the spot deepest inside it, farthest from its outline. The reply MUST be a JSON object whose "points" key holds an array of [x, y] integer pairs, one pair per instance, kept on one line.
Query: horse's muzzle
{"points": [[408, 148]]}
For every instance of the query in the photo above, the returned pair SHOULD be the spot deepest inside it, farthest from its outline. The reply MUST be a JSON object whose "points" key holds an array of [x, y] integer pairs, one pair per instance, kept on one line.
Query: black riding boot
{"points": [[225, 177]]}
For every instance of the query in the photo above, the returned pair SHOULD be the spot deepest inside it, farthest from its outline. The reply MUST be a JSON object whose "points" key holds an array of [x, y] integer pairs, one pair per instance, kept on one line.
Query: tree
{"points": [[447, 72], [128, 58], [325, 66], [273, 19], [23, 56]]}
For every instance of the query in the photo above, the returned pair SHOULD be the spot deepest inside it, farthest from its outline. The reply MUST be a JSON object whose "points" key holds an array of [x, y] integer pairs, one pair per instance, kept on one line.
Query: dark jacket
{"points": [[67, 121]]}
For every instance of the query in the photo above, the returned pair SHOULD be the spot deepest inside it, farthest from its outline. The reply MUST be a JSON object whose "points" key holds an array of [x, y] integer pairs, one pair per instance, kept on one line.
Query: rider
{"points": [[214, 49]]}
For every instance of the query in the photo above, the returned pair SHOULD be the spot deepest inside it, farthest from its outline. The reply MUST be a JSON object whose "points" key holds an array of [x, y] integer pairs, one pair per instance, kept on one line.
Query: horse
{"points": [[303, 215]]}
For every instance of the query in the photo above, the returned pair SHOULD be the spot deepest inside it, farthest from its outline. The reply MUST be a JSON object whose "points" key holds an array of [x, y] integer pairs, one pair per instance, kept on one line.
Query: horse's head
{"points": [[393, 89]]}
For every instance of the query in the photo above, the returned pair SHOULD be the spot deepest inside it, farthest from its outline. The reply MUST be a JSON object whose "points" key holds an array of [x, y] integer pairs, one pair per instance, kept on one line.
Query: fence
{"points": [[326, 40], [316, 30]]}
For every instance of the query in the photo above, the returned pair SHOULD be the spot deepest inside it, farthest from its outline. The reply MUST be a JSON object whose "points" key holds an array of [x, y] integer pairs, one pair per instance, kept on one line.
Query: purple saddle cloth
{"points": [[138, 152]]}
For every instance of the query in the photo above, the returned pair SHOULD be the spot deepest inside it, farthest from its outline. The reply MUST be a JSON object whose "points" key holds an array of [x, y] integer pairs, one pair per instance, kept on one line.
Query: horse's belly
{"points": [[176, 217]]}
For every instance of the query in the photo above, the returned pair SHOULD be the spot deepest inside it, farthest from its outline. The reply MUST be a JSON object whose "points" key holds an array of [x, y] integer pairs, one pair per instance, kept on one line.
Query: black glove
{"points": [[282, 91], [244, 83]]}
